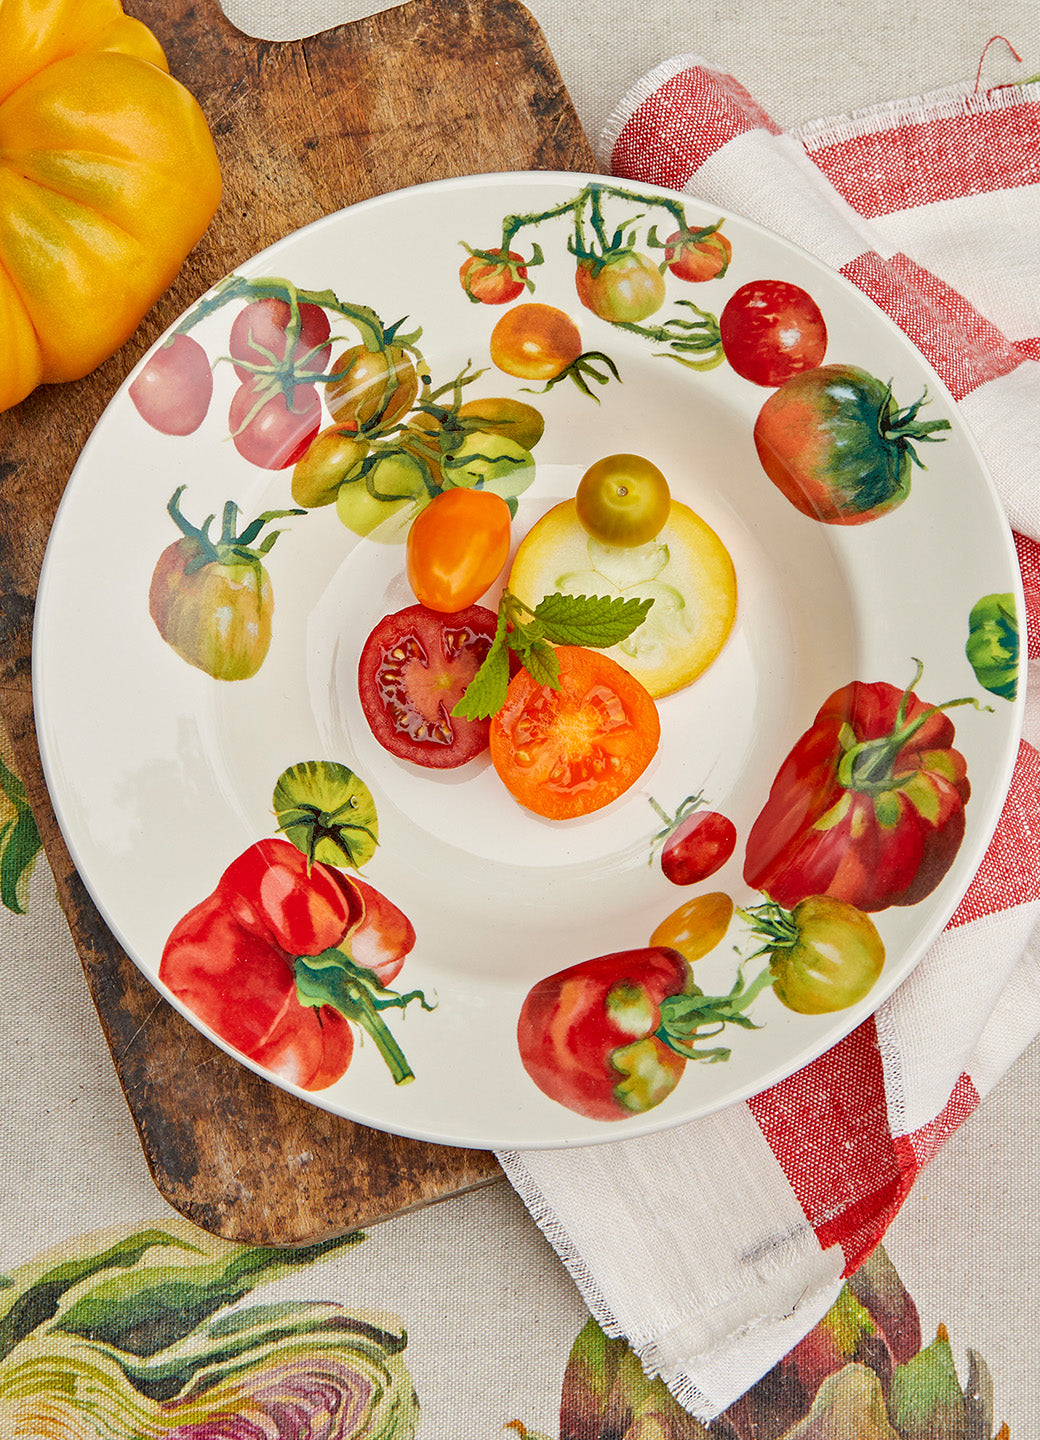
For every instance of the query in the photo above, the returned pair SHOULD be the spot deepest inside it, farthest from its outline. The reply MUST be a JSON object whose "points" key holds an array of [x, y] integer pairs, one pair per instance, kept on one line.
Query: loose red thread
{"points": [[982, 58]]}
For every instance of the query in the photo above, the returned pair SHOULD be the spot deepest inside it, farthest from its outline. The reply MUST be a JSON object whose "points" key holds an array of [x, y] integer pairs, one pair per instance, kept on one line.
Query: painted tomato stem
{"points": [[331, 825], [332, 979], [684, 1017], [867, 765], [238, 287], [901, 426], [685, 338], [229, 548]]}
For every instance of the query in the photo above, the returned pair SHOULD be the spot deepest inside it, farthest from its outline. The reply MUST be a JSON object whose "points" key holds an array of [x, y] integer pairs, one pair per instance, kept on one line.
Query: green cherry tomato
{"points": [[488, 461], [623, 500]]}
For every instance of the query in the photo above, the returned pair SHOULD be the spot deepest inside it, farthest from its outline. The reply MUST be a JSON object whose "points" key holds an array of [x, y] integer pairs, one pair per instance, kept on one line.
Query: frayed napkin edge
{"points": [[809, 1307], [948, 102]]}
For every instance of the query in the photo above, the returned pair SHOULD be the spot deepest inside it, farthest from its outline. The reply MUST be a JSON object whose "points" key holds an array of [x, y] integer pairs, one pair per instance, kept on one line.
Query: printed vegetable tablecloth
{"points": [[117, 1319]]}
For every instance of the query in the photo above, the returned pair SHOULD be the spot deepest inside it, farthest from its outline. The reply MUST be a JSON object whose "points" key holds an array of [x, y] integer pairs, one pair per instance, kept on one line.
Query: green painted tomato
{"points": [[625, 288], [320, 472], [825, 955], [381, 499]]}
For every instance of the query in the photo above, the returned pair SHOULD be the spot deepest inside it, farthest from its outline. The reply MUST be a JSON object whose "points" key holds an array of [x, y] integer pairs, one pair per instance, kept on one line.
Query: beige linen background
{"points": [[801, 59]]}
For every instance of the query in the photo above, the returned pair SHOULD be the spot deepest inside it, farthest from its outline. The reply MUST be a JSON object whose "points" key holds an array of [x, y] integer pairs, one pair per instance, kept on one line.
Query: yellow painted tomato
{"points": [[108, 177], [322, 469], [696, 927], [372, 389], [535, 342], [623, 500], [456, 548], [686, 570], [501, 415]]}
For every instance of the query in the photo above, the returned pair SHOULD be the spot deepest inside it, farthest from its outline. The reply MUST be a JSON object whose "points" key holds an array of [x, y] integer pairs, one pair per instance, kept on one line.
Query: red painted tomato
{"points": [[836, 444], [772, 330], [626, 287], [695, 843], [695, 257], [493, 278], [173, 389], [414, 669], [568, 752], [457, 548], [590, 1037], [535, 342], [382, 939], [270, 431], [262, 331], [867, 807]]}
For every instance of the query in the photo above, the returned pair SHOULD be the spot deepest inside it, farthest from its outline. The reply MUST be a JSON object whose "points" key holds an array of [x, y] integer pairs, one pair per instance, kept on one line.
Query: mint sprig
{"points": [[593, 621]]}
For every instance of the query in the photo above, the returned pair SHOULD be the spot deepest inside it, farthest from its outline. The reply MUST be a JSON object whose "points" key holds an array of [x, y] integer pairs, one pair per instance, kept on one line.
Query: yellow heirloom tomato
{"points": [[108, 177]]}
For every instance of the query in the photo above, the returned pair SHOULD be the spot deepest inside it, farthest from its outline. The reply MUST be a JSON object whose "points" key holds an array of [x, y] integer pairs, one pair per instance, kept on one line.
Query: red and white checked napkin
{"points": [[714, 1247]]}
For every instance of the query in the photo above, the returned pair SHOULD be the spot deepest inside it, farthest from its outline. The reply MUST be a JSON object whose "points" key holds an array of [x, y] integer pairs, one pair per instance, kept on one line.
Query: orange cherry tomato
{"points": [[570, 751], [456, 548], [535, 342], [696, 927]]}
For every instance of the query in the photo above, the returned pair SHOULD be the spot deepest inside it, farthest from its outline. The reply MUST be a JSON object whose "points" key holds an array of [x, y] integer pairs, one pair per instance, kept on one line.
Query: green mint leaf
{"points": [[486, 692], [597, 621], [543, 664]]}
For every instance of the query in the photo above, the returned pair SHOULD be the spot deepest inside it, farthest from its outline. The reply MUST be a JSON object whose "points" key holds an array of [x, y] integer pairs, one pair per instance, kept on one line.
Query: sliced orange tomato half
{"points": [[567, 752]]}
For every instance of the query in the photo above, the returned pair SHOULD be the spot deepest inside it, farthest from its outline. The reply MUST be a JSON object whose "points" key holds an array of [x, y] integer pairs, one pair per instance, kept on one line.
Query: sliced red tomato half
{"points": [[414, 669], [570, 751]]}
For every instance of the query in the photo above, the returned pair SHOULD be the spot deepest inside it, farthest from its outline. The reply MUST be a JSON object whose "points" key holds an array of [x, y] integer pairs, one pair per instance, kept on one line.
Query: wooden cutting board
{"points": [[432, 89]]}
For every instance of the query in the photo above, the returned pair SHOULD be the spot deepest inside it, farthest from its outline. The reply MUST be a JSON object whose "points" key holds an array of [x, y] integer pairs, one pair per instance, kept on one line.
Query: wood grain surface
{"points": [[431, 89]]}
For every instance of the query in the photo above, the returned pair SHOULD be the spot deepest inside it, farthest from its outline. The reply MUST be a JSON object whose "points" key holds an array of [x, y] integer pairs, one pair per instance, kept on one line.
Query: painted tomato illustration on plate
{"points": [[283, 956], [771, 330], [868, 806], [834, 441], [174, 387], [210, 596], [609, 1038]]}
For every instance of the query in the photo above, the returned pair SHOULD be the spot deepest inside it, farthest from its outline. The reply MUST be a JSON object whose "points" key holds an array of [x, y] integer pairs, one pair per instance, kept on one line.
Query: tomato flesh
{"points": [[568, 752], [414, 668]]}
